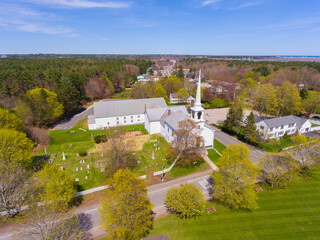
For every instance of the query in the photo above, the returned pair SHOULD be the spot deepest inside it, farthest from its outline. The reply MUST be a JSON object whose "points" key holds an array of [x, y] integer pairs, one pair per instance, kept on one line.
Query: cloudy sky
{"points": [[216, 27]]}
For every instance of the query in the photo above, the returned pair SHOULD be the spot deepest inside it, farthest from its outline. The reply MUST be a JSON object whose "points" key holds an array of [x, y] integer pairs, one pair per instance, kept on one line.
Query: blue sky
{"points": [[215, 27]]}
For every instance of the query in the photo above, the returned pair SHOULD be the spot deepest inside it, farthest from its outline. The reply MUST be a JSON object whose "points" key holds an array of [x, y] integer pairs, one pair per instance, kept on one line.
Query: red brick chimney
{"points": [[169, 112]]}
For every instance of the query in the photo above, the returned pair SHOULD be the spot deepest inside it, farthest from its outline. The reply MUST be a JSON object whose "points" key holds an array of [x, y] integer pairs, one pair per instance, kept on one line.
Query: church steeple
{"points": [[197, 110]]}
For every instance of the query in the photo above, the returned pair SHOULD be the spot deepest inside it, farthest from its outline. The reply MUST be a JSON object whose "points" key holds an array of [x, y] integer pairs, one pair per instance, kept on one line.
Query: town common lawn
{"points": [[212, 154], [289, 213]]}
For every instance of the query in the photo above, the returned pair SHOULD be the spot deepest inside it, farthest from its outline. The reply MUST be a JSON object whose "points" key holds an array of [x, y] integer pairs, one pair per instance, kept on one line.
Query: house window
{"points": [[131, 117], [117, 118], [261, 127], [271, 129], [125, 121], [108, 123], [131, 120], [138, 116], [117, 122], [124, 117], [282, 127]]}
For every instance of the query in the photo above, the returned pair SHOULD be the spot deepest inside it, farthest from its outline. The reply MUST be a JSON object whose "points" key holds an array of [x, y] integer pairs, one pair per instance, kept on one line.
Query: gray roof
{"points": [[155, 114], [174, 118], [126, 107], [157, 237], [91, 119], [275, 122]]}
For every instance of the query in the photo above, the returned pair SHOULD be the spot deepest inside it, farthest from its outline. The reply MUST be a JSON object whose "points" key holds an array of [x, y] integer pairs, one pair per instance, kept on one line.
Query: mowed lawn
{"points": [[290, 213]]}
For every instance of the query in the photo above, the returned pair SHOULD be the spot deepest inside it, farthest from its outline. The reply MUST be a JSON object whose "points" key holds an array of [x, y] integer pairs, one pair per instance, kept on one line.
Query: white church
{"points": [[154, 113]]}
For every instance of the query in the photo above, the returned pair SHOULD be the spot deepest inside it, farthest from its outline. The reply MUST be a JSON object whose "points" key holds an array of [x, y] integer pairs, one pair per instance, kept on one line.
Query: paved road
{"points": [[156, 194], [69, 123], [227, 140]]}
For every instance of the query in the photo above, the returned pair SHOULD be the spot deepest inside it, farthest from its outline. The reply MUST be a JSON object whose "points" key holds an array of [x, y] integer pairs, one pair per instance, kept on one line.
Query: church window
{"points": [[199, 115]]}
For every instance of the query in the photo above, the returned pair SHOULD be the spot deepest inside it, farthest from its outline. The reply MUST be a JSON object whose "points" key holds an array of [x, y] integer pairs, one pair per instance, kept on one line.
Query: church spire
{"points": [[198, 97]]}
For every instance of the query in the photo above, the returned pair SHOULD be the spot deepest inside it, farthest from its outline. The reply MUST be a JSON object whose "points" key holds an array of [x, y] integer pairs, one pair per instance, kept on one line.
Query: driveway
{"points": [[70, 122]]}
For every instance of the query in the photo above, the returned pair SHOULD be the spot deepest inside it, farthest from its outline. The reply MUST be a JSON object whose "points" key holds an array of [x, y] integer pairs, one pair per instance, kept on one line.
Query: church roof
{"points": [[126, 107], [155, 114], [175, 117]]}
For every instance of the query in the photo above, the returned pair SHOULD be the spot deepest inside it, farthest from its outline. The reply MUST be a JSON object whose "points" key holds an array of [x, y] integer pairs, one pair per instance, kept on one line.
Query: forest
{"points": [[74, 79]]}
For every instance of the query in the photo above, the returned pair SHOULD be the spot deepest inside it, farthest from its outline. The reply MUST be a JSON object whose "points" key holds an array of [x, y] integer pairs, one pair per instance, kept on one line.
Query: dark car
{"points": [[316, 117]]}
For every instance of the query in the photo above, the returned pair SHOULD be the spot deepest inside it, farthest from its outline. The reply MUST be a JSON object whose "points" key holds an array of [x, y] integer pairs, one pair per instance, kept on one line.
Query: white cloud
{"points": [[82, 3], [24, 19], [296, 23], [210, 2]]}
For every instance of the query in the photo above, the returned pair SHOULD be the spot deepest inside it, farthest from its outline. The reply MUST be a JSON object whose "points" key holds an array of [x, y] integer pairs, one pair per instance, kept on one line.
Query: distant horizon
{"points": [[180, 27]]}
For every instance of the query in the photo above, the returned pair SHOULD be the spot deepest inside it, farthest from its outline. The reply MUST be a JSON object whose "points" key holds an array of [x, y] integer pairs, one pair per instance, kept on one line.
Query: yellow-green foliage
{"points": [[58, 187], [159, 91], [126, 209], [15, 148], [41, 106], [233, 182], [185, 201], [10, 120]]}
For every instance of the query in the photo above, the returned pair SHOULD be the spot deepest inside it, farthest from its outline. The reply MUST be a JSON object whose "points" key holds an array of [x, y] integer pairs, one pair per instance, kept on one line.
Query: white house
{"points": [[154, 113], [122, 112], [278, 127]]}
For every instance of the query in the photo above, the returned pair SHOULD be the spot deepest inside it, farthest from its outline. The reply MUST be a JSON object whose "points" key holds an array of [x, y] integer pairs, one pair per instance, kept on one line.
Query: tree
{"points": [[188, 145], [15, 148], [180, 73], [58, 188], [276, 168], [159, 91], [312, 103], [304, 93], [150, 71], [173, 84], [305, 152], [185, 201], [40, 107], [234, 117], [289, 100], [119, 151], [250, 130], [95, 88], [14, 192], [10, 120], [125, 208], [208, 95], [182, 95], [265, 99], [233, 182], [141, 91], [45, 223]]}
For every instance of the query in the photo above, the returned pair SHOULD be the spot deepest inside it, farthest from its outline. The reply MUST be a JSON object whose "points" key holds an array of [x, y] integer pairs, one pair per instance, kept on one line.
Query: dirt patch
{"points": [[133, 133], [39, 147], [151, 180]]}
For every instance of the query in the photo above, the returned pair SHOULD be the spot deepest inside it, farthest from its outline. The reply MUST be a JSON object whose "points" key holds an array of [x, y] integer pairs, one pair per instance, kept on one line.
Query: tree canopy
{"points": [[185, 201], [40, 107], [160, 91], [9, 119], [125, 208]]}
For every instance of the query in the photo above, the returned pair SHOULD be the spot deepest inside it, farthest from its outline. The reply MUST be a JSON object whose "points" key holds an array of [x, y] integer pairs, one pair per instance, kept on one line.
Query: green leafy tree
{"points": [[250, 130], [312, 103], [173, 84], [182, 95], [15, 148], [233, 183], [304, 93], [41, 107], [125, 208], [265, 99], [10, 120], [289, 100], [186, 201], [160, 91], [58, 188]]}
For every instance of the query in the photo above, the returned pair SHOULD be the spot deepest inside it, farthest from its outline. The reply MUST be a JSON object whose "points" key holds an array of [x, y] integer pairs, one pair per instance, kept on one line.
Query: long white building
{"points": [[154, 113]]}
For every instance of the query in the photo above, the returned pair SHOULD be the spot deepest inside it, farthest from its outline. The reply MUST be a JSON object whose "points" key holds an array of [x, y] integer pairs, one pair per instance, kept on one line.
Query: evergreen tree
{"points": [[250, 130], [234, 118]]}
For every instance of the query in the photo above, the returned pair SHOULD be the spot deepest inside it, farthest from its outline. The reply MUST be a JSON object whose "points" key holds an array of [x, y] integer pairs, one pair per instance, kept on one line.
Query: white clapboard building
{"points": [[154, 113]]}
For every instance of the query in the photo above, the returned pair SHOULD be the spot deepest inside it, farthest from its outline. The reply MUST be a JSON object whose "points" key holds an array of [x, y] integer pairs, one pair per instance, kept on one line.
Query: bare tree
{"points": [[14, 191], [45, 223], [118, 150], [277, 167], [95, 88], [188, 144], [306, 153]]}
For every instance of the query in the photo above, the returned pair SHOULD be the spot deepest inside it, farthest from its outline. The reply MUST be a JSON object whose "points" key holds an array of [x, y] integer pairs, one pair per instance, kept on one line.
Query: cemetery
{"points": [[76, 152]]}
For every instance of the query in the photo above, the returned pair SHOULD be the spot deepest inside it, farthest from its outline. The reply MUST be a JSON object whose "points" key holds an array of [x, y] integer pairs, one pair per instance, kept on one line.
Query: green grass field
{"points": [[212, 154], [289, 213]]}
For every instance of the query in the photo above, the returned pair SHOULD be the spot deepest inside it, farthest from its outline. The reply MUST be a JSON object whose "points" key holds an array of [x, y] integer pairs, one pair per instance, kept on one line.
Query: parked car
{"points": [[316, 117], [305, 115]]}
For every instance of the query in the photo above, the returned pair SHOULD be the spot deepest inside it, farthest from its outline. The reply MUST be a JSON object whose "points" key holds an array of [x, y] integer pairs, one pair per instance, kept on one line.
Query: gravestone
{"points": [[81, 168], [77, 179], [63, 156], [88, 166], [152, 157], [103, 169], [86, 177], [77, 169]]}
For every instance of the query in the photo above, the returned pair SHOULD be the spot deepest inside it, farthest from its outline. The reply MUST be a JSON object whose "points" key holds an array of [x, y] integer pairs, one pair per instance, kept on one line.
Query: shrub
{"points": [[82, 153], [100, 138]]}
